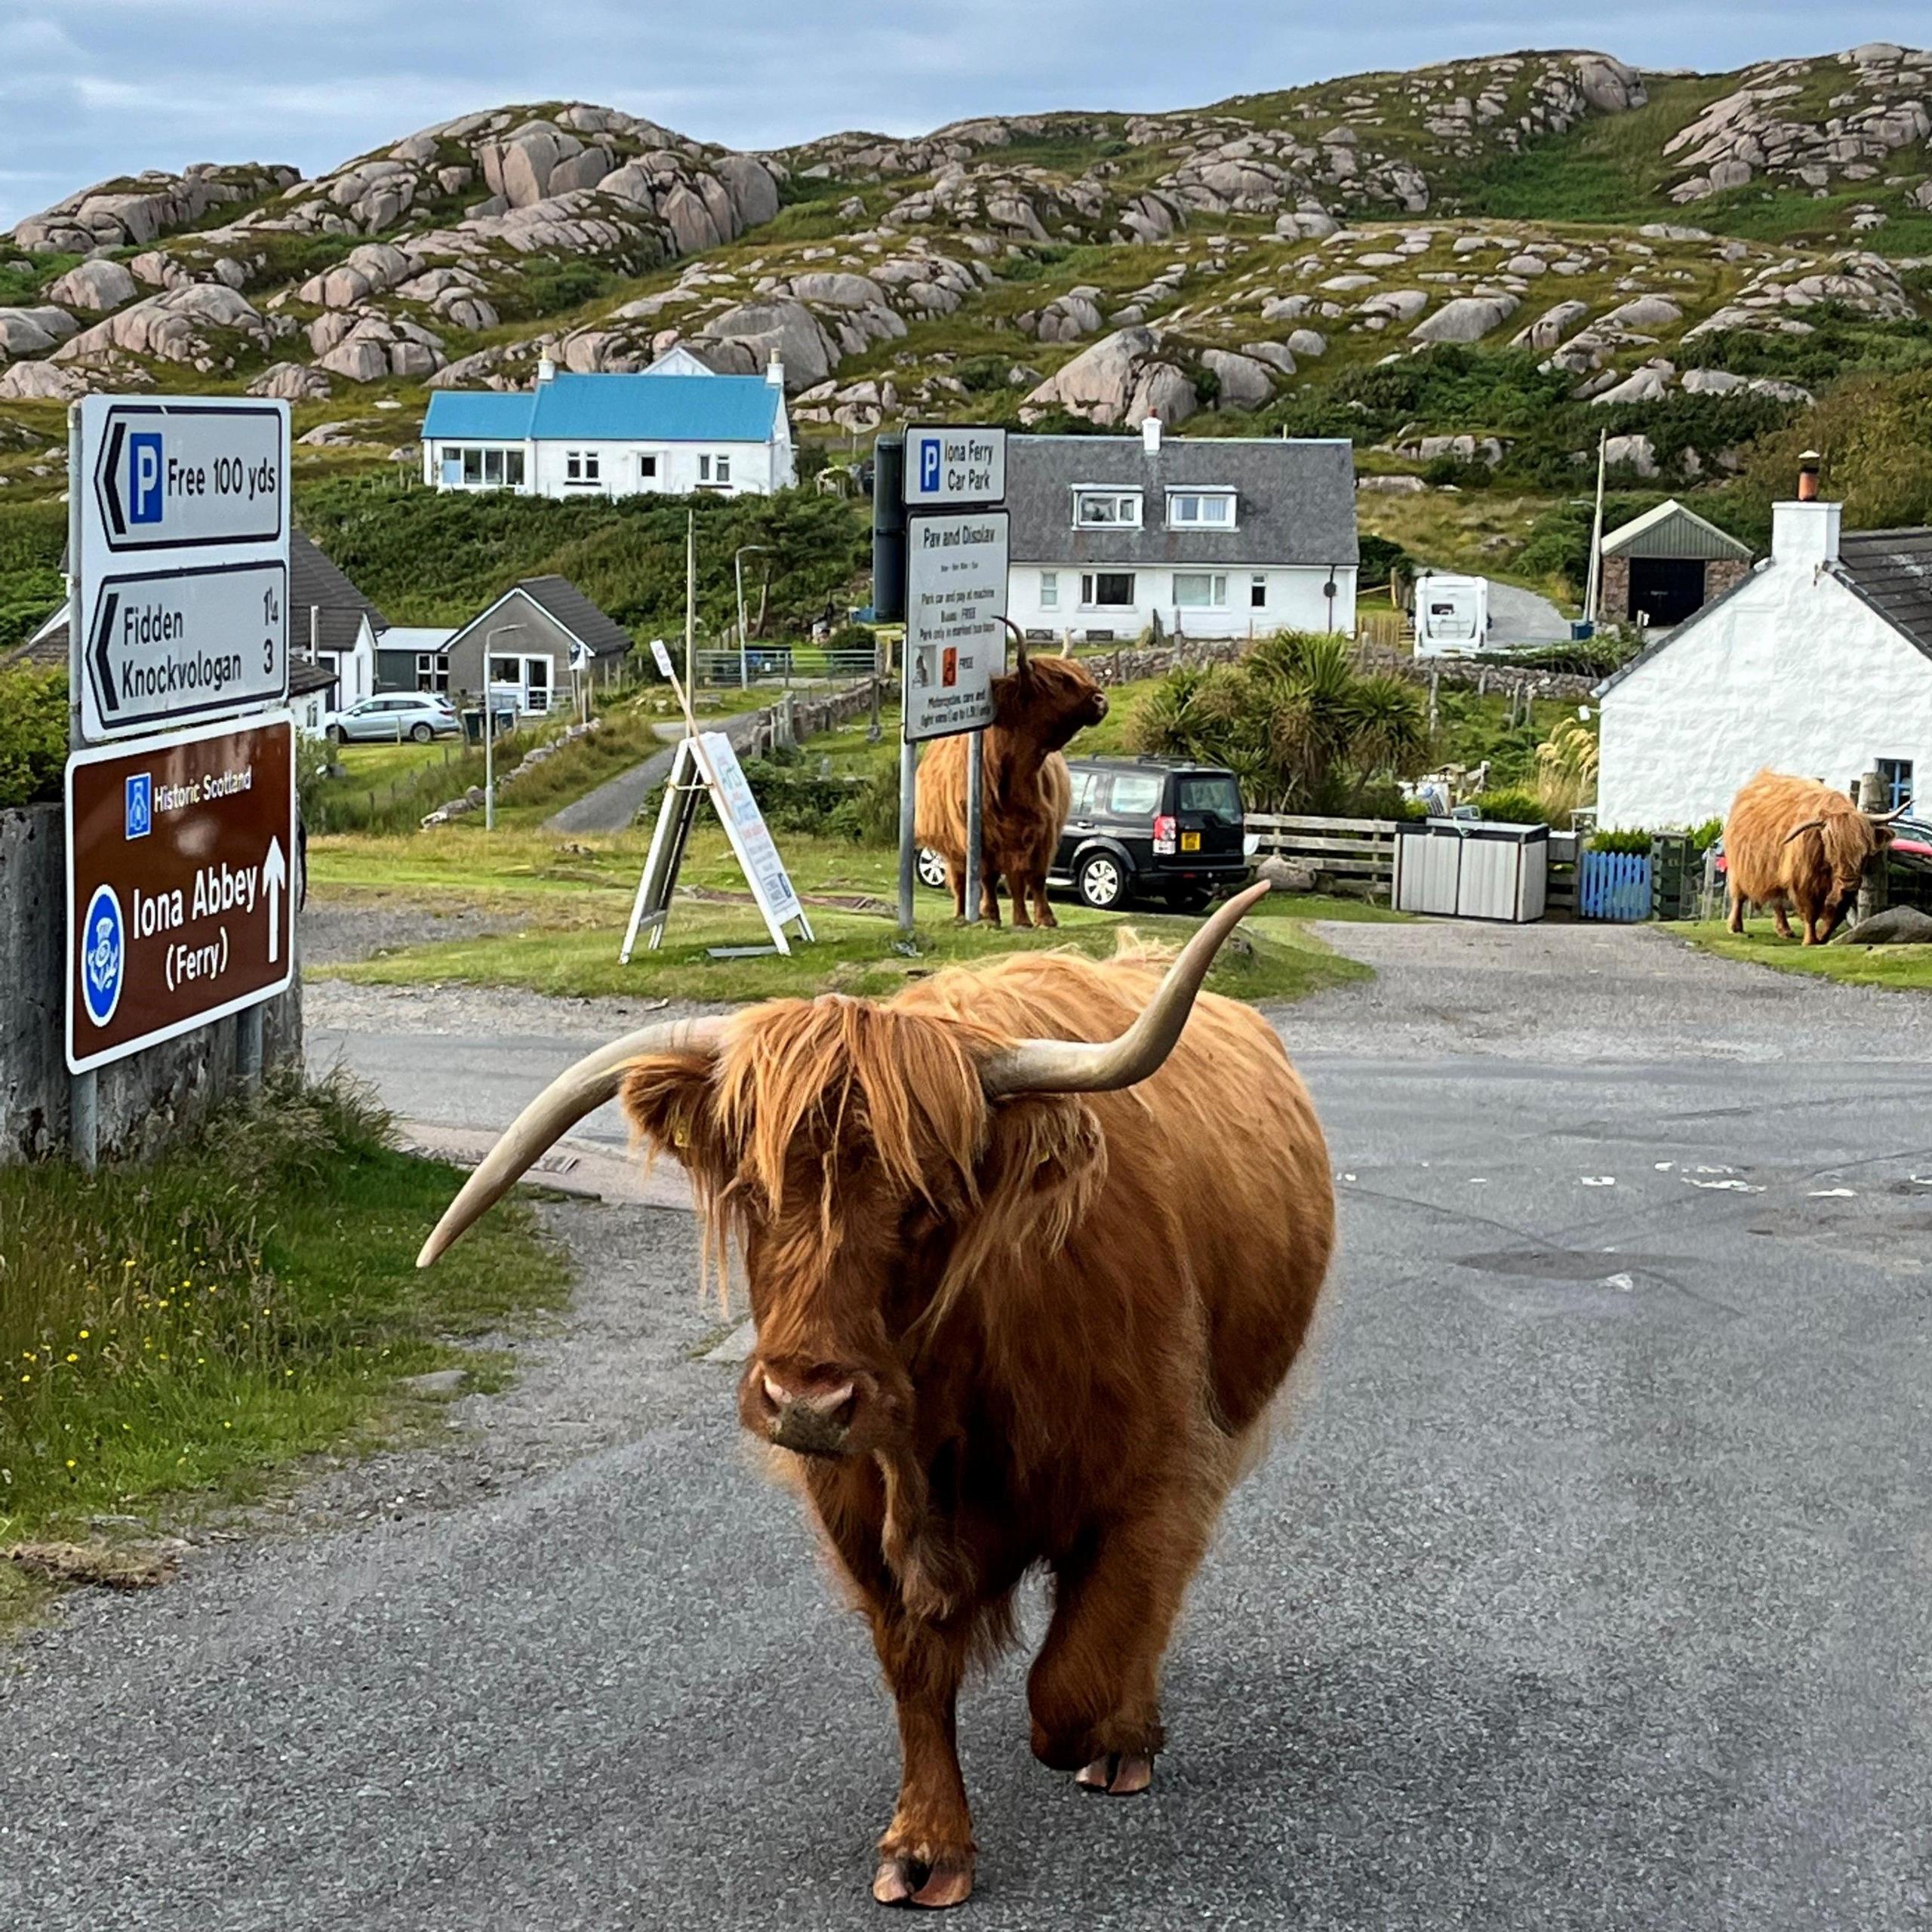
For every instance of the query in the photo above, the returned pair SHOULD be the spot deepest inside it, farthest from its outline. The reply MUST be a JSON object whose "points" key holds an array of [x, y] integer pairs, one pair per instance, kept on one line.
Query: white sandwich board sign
{"points": [[707, 764], [956, 629], [179, 612]]}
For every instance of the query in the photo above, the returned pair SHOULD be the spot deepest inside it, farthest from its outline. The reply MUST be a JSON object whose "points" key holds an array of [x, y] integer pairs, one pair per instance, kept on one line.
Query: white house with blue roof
{"points": [[676, 428]]}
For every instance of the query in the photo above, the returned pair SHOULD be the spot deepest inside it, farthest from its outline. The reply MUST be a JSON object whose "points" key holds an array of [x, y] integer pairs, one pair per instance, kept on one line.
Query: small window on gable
{"points": [[1106, 509], [1896, 775]]}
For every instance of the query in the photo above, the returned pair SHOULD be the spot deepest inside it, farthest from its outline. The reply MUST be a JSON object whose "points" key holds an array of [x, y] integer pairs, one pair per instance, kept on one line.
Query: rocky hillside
{"points": [[1681, 259]]}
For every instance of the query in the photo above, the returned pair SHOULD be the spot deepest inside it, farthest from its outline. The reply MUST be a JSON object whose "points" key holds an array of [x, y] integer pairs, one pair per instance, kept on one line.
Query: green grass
{"points": [[170, 1333], [1900, 968]]}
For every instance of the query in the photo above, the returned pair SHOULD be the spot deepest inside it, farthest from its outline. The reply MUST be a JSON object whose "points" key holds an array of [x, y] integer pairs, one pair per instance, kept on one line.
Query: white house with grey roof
{"points": [[1214, 537], [1818, 663]]}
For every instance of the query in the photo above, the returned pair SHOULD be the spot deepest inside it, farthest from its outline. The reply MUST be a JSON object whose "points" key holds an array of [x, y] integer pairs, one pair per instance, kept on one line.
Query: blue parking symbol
{"points": [[929, 466], [144, 493], [140, 805]]}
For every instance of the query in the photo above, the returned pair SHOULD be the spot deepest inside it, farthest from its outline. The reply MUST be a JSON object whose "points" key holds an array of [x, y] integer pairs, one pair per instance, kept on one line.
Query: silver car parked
{"points": [[390, 716]]}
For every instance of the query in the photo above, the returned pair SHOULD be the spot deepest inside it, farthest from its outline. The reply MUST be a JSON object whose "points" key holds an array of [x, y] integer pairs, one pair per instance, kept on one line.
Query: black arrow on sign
{"points": [[103, 663], [110, 469]]}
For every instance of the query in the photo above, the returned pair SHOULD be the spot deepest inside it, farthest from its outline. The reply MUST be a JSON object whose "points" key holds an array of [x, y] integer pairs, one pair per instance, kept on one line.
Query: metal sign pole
{"points": [[889, 606], [976, 792]]}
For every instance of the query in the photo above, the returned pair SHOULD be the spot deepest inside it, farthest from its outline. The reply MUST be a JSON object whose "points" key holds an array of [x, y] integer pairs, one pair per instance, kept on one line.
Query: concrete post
{"points": [[976, 789], [248, 1048]]}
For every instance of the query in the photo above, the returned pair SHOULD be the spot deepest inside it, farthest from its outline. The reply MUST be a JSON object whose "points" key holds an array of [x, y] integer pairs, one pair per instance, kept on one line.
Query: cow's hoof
{"points": [[1120, 1774], [935, 1884]]}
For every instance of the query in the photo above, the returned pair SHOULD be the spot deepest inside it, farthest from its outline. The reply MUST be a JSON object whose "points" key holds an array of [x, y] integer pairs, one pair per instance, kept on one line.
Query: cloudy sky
{"points": [[94, 88]]}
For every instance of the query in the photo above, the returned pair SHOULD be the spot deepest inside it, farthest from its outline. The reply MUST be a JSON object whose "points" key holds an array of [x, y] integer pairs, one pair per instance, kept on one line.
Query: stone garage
{"points": [[1665, 565]]}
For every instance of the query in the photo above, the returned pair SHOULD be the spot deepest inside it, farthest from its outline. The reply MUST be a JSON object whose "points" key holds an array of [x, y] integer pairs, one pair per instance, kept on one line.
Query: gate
{"points": [[1614, 886]]}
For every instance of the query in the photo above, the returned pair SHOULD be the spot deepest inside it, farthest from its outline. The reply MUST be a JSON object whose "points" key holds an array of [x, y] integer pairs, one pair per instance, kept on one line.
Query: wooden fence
{"points": [[1614, 886], [1356, 854]]}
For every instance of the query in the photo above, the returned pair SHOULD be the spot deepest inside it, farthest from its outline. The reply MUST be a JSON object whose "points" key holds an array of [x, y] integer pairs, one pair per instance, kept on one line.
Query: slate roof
{"points": [[1295, 501], [560, 600], [610, 408], [1891, 571], [340, 607]]}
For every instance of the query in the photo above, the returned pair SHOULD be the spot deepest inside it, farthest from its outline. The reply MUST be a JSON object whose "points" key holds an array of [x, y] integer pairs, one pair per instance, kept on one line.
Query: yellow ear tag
{"points": [[680, 1136]]}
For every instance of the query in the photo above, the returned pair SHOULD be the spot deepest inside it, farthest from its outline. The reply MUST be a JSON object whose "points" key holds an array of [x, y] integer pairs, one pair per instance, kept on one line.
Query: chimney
{"points": [[1806, 531], [546, 370], [774, 370], [1150, 435]]}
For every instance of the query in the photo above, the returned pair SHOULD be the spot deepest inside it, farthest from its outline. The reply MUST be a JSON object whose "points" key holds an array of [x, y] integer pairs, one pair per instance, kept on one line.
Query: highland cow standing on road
{"points": [[1793, 844], [1011, 1315], [1027, 790]]}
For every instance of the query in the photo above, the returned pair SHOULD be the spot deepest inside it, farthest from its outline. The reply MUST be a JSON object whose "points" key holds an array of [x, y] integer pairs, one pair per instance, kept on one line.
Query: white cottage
{"points": [[1227, 537], [675, 429], [1819, 663]]}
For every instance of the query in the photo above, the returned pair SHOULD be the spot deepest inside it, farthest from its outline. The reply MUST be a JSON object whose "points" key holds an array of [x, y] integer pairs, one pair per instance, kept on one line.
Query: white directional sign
{"points": [[179, 645], [954, 464], [955, 632], [181, 563]]}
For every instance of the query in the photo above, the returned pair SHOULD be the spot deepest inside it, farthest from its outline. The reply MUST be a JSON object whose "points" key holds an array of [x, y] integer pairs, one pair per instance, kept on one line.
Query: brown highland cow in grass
{"points": [[1795, 844], [1026, 792], [1026, 1282]]}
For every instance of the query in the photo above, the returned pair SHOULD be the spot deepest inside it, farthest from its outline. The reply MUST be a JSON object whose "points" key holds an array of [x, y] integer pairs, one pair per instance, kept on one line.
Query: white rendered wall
{"points": [[757, 468], [1792, 671], [1295, 602]]}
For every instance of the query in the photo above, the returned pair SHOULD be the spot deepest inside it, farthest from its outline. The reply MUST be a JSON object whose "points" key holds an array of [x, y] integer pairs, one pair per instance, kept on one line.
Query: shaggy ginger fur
{"points": [[1817, 872], [1062, 1319]]}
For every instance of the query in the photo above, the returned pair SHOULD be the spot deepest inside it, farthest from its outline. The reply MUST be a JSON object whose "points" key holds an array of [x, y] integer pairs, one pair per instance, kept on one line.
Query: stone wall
{"points": [[142, 1100]]}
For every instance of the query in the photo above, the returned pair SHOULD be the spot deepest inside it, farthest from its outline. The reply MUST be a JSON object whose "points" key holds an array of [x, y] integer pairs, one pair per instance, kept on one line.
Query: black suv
{"points": [[1144, 828]]}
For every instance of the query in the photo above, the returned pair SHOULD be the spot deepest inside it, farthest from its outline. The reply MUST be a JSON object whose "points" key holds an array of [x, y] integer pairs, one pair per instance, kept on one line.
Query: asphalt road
{"points": [[1590, 1590]]}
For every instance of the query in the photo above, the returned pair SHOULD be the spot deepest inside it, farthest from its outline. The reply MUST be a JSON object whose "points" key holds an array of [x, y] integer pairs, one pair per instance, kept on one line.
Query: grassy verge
{"points": [[1902, 968], [172, 1332]]}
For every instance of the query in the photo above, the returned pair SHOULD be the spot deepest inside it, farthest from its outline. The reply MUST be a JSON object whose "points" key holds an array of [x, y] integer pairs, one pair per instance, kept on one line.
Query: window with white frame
{"points": [[646, 468], [714, 470], [432, 671], [1049, 590], [483, 469], [1200, 590], [1106, 509], [1106, 590], [582, 467], [1201, 510], [1257, 591]]}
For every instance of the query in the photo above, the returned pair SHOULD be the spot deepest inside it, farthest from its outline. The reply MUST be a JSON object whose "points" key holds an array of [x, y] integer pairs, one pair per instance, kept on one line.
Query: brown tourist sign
{"points": [[180, 871]]}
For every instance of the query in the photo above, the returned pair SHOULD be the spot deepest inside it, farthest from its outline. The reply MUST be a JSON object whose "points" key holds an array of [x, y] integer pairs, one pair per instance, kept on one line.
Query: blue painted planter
{"points": [[1614, 886]]}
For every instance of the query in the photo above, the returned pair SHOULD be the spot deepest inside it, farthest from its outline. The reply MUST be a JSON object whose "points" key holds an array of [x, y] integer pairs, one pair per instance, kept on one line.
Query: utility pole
{"points": [[1593, 585], [490, 725], [691, 597]]}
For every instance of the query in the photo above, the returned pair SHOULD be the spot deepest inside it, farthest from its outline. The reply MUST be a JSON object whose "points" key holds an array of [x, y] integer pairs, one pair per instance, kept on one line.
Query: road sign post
{"points": [[179, 612], [179, 905]]}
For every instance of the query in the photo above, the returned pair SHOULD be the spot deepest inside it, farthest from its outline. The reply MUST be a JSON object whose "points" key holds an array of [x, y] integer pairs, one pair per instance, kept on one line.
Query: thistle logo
{"points": [[929, 455], [104, 960], [144, 490]]}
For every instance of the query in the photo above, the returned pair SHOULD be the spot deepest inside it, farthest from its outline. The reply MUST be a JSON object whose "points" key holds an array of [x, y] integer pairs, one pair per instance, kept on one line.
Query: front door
{"points": [[537, 683]]}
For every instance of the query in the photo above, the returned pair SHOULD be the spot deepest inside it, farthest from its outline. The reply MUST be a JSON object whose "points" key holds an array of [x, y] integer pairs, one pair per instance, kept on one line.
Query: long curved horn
{"points": [[578, 1090], [1019, 641], [1887, 818], [1082, 1066], [1799, 831]]}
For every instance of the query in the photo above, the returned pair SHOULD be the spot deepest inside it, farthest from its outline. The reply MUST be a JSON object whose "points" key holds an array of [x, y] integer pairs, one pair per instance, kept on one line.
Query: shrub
{"points": [[1620, 841], [33, 735], [1515, 808]]}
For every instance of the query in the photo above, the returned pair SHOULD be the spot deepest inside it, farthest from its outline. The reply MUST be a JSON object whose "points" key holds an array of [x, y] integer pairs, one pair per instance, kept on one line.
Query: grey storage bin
{"points": [[1469, 870]]}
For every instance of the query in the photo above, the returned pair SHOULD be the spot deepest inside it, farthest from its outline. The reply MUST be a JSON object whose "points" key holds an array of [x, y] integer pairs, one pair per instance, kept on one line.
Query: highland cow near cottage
{"points": [[1010, 1314], [1027, 790], [1794, 845]]}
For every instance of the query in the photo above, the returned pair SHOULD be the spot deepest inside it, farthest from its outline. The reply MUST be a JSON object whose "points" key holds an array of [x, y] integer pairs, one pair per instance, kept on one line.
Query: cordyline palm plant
{"points": [[1295, 721]]}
